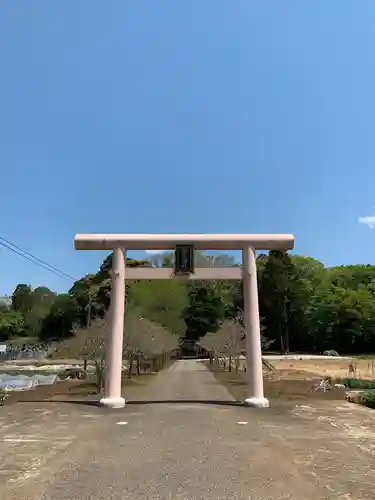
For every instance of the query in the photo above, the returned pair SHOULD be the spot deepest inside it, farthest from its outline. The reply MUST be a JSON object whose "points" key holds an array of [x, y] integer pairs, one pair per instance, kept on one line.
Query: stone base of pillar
{"points": [[112, 402], [257, 402]]}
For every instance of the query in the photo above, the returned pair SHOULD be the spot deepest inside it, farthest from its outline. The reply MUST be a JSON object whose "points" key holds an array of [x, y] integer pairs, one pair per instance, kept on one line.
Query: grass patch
{"points": [[3, 396], [365, 398], [369, 398], [355, 383]]}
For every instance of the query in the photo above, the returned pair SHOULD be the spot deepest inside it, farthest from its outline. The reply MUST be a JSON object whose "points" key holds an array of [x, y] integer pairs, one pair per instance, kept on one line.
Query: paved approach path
{"points": [[196, 449]]}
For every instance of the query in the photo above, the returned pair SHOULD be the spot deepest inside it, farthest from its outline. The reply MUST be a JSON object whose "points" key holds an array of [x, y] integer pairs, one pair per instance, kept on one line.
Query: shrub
{"points": [[357, 383], [331, 352], [369, 398], [100, 371], [3, 396]]}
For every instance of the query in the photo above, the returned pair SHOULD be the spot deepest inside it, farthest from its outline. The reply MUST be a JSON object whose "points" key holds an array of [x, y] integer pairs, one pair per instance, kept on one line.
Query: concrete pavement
{"points": [[183, 438]]}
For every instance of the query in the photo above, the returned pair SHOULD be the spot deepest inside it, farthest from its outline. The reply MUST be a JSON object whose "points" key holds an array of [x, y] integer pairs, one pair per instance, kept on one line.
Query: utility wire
{"points": [[35, 260]]}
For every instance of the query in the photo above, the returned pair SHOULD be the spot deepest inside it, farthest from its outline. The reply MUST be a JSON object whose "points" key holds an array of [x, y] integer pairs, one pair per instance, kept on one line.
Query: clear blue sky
{"points": [[185, 116]]}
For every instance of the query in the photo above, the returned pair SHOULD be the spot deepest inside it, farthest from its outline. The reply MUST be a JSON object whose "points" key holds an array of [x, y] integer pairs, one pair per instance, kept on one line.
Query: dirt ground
{"points": [[281, 388], [365, 368], [294, 379], [73, 389], [321, 368]]}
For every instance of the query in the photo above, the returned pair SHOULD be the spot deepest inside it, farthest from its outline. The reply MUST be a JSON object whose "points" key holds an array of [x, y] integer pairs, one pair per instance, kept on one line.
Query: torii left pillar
{"points": [[112, 394]]}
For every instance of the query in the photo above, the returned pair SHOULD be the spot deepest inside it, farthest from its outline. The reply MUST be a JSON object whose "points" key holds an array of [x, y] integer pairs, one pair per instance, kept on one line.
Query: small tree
{"points": [[146, 341], [143, 341], [95, 348], [228, 343], [88, 344]]}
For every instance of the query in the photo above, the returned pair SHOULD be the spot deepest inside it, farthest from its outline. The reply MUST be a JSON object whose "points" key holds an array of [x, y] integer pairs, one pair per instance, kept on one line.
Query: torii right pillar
{"points": [[254, 369]]}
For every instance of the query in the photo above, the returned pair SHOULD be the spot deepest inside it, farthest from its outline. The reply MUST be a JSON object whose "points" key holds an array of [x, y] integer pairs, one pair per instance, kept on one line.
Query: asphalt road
{"points": [[184, 438]]}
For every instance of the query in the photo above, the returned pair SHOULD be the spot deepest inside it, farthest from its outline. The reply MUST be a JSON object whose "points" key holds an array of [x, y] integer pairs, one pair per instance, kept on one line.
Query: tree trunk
{"points": [[130, 369], [286, 341], [88, 319], [282, 341]]}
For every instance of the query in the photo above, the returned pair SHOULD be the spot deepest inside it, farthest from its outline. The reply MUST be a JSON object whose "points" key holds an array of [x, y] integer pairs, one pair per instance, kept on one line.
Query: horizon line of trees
{"points": [[304, 306]]}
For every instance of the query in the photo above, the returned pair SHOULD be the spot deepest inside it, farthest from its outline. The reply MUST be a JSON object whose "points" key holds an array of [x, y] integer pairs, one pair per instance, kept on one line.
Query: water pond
{"points": [[26, 382]]}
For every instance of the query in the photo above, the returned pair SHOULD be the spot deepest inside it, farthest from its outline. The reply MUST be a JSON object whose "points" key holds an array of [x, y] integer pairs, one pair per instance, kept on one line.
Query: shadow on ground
{"points": [[187, 402], [140, 402], [64, 401]]}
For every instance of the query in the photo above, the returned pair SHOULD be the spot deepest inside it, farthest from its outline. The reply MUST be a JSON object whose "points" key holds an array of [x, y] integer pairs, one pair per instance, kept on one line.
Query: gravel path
{"points": [[185, 380], [183, 438]]}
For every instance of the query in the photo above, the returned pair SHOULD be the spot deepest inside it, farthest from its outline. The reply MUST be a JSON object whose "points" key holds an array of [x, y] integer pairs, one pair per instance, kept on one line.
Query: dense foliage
{"points": [[304, 306]]}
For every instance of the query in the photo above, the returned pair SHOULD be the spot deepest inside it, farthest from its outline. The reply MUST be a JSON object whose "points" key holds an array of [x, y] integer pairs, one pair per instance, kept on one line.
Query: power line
{"points": [[35, 260], [38, 262]]}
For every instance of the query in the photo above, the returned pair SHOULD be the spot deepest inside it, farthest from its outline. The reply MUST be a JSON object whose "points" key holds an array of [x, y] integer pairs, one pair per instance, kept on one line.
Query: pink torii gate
{"points": [[248, 243]]}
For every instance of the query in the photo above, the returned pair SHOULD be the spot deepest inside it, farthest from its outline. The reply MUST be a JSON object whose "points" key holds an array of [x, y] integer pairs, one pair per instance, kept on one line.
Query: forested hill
{"points": [[303, 305]]}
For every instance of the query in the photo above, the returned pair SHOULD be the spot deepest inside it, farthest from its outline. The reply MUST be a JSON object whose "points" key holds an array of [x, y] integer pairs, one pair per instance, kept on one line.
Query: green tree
{"points": [[205, 312], [106, 266], [275, 297], [90, 303], [61, 319], [305, 275], [210, 302], [42, 299], [161, 301], [304, 306], [352, 276], [34, 305], [11, 324], [342, 319], [22, 298]]}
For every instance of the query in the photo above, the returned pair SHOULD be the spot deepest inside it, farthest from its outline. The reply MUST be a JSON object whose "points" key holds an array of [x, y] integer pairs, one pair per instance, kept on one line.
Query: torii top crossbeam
{"points": [[169, 241]]}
